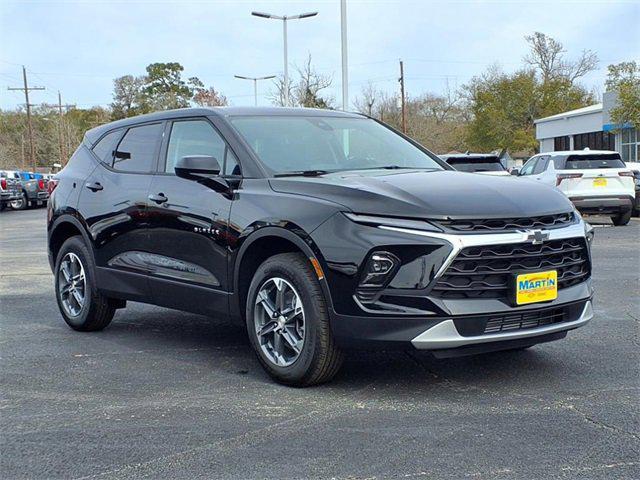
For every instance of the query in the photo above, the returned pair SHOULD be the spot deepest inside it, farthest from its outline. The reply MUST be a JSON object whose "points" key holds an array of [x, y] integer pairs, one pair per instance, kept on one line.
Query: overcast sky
{"points": [[78, 47]]}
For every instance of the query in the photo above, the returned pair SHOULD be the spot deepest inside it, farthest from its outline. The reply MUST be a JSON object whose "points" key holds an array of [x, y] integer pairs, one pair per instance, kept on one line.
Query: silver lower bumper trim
{"points": [[445, 334]]}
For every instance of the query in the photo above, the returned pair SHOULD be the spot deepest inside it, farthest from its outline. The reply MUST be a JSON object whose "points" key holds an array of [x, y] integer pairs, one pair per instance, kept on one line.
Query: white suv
{"points": [[596, 181]]}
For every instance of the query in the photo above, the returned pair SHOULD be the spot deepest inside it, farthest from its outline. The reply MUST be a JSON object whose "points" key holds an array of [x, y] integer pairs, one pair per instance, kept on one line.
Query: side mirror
{"points": [[204, 169], [515, 171]]}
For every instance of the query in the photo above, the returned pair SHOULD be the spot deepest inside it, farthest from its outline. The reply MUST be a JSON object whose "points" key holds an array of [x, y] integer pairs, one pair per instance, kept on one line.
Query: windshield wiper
{"points": [[304, 173], [394, 167]]}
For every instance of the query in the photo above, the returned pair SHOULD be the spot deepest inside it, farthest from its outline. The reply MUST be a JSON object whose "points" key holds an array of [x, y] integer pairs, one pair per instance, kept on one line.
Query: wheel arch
{"points": [[265, 243], [63, 228]]}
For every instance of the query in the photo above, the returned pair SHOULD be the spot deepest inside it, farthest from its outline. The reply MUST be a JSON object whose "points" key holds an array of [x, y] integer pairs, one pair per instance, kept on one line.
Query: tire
{"points": [[22, 203], [622, 219], [318, 359], [96, 311], [3, 205]]}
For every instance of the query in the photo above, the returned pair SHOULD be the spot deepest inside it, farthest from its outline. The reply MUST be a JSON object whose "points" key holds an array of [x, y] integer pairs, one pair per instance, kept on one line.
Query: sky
{"points": [[79, 47]]}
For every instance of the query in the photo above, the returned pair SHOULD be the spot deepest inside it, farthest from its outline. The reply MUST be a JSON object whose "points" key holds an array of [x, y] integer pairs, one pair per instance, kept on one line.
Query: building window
{"points": [[630, 145], [594, 141], [561, 143]]}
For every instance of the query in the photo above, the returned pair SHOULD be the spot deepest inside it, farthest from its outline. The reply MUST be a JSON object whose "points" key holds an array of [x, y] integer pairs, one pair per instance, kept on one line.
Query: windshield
{"points": [[608, 160], [287, 144], [478, 166]]}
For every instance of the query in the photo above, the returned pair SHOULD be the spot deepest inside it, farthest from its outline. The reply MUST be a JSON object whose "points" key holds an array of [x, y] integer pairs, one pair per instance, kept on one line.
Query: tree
{"points": [[206, 97], [546, 55], [128, 97], [306, 91], [164, 88], [624, 79]]}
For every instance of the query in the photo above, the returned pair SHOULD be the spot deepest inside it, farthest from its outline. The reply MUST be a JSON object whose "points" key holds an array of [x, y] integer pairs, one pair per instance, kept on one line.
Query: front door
{"points": [[188, 246]]}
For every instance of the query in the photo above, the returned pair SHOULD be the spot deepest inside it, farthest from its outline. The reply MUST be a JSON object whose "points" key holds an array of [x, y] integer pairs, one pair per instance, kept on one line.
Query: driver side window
{"points": [[529, 166], [198, 137]]}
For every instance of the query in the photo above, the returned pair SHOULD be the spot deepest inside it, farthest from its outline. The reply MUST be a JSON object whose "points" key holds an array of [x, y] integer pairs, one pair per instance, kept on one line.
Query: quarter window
{"points": [[105, 147], [198, 137], [137, 150]]}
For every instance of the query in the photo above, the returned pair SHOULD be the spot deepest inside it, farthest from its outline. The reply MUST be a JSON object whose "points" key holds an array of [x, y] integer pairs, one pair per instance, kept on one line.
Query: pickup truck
{"points": [[10, 189], [34, 191]]}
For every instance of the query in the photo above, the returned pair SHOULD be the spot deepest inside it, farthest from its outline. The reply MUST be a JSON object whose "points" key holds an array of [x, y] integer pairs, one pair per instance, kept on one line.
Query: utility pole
{"points": [[25, 89], [404, 116], [345, 73], [61, 141]]}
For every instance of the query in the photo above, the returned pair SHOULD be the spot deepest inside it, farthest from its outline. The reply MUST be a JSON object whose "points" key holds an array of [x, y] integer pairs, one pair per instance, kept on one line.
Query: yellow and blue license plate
{"points": [[536, 287], [599, 182]]}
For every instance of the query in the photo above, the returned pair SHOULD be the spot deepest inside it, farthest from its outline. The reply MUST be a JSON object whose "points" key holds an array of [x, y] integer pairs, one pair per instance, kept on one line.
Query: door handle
{"points": [[159, 198], [94, 186]]}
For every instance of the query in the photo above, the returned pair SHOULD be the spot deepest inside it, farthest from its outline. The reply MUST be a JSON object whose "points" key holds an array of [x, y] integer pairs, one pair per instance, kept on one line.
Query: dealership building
{"points": [[588, 127]]}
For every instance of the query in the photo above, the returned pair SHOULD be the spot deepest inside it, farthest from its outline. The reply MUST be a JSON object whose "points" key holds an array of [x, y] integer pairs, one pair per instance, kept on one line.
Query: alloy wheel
{"points": [[72, 284], [279, 321]]}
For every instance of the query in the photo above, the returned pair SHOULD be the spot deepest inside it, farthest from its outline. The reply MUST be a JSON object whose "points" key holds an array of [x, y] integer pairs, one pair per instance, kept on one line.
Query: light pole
{"points": [[284, 19], [255, 84], [345, 75]]}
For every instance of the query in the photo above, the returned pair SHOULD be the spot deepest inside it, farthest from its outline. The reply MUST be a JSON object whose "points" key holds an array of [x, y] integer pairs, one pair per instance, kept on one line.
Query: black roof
{"points": [[95, 133]]}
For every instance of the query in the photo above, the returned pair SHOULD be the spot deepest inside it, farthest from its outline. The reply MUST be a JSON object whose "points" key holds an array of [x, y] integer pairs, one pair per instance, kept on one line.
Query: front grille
{"points": [[507, 322], [487, 271], [504, 224]]}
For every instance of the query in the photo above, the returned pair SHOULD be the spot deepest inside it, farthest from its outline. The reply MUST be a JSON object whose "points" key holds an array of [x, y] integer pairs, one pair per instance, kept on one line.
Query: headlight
{"points": [[589, 232], [376, 221]]}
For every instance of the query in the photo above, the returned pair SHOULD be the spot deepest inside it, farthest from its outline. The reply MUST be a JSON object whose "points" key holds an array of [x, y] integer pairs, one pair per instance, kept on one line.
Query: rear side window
{"points": [[582, 162], [137, 150], [105, 147]]}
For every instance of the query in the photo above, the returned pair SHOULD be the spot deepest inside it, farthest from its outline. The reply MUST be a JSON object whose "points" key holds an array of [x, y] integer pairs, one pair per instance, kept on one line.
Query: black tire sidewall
{"points": [[314, 308], [77, 246]]}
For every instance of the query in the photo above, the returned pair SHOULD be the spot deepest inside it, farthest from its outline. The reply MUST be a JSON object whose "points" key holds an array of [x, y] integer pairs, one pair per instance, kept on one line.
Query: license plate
{"points": [[536, 287], [599, 182]]}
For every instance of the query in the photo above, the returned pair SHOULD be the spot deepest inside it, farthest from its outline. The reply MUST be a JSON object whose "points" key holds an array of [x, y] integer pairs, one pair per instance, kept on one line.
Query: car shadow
{"points": [[223, 347]]}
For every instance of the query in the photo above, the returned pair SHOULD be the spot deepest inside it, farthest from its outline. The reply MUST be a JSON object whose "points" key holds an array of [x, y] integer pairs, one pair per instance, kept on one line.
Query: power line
{"points": [[26, 89]]}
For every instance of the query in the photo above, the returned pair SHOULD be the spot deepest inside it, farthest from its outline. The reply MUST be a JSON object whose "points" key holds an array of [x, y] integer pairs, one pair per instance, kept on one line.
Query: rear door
{"points": [[595, 175], [113, 203], [189, 223]]}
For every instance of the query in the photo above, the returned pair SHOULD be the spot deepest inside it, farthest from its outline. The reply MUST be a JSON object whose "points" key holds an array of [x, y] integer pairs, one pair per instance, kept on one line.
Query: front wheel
{"points": [[621, 219], [288, 322], [82, 306]]}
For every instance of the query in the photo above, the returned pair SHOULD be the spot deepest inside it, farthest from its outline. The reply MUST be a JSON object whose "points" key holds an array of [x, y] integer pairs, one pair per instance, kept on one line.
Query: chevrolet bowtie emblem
{"points": [[537, 236]]}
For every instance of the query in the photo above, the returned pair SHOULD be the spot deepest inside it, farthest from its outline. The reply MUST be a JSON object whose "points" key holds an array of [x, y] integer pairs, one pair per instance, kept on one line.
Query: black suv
{"points": [[319, 230]]}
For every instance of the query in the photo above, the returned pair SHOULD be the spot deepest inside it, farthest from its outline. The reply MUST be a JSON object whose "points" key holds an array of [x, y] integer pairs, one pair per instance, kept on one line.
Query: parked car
{"points": [[319, 230], [635, 168], [34, 191], [486, 163], [9, 188], [596, 181]]}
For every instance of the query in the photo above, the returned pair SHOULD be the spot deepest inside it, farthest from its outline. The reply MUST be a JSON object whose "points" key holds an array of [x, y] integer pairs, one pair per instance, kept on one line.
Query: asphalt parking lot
{"points": [[164, 394]]}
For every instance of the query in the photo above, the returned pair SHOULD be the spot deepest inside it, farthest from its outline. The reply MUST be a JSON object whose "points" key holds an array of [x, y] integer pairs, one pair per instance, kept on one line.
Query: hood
{"points": [[428, 194]]}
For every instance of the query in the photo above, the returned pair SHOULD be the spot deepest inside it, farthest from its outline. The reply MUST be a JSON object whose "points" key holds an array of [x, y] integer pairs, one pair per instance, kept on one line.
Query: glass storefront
{"points": [[630, 145]]}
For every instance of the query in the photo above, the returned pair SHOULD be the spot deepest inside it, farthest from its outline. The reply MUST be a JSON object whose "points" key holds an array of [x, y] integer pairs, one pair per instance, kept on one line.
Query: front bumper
{"points": [[603, 204], [445, 335]]}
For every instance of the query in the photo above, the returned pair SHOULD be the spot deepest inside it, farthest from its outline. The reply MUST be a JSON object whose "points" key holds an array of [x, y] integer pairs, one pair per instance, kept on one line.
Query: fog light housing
{"points": [[379, 269]]}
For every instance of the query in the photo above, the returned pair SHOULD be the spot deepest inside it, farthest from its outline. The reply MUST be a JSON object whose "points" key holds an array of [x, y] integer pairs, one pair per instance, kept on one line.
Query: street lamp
{"points": [[284, 19], [255, 84]]}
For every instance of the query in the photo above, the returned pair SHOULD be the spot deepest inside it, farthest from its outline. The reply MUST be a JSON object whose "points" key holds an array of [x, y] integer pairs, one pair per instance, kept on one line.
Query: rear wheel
{"points": [[288, 322], [80, 303], [621, 219], [21, 203]]}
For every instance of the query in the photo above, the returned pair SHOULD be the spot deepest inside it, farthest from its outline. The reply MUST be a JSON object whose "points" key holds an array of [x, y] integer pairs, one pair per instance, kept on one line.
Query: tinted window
{"points": [[105, 147], [487, 165], [295, 143], [136, 152], [578, 162]]}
